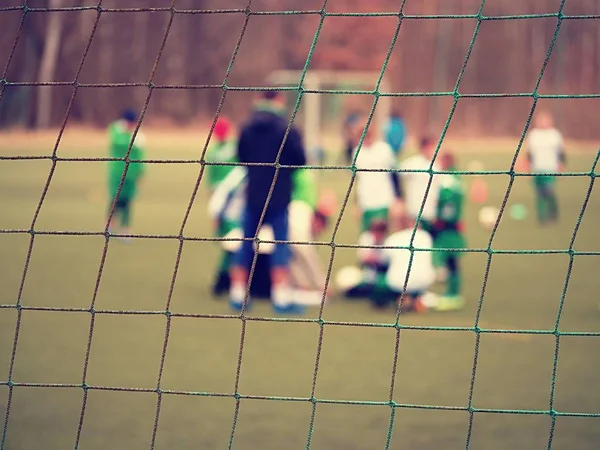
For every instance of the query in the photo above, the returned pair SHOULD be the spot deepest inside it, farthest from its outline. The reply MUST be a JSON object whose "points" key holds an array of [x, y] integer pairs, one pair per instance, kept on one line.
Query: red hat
{"points": [[222, 128]]}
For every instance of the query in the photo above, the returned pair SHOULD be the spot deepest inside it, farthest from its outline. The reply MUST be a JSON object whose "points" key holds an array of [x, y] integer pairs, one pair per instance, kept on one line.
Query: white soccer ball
{"points": [[348, 277], [488, 216]]}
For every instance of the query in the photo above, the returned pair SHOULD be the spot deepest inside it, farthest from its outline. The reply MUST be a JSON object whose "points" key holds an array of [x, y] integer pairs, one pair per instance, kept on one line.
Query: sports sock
{"points": [[552, 206], [126, 215], [237, 293], [281, 295], [540, 206], [453, 284]]}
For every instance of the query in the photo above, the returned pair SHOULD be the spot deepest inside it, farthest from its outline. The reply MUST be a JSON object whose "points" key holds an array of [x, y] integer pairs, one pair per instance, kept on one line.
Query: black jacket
{"points": [[260, 140]]}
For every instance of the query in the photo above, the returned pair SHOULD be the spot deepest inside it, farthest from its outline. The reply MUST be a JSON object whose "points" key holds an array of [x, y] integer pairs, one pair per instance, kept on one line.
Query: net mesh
{"points": [[489, 250]]}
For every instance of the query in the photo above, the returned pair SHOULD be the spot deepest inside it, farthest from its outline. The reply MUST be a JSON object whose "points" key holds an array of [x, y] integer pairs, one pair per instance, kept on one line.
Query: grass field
{"points": [[514, 371]]}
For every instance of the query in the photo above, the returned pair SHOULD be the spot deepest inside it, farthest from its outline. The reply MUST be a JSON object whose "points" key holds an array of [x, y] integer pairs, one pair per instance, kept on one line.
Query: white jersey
{"points": [[545, 147], [415, 185], [375, 190], [422, 272], [227, 201]]}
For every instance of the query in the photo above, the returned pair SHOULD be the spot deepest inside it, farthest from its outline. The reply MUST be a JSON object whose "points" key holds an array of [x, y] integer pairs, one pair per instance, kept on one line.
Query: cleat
{"points": [[447, 303], [292, 308], [237, 307]]}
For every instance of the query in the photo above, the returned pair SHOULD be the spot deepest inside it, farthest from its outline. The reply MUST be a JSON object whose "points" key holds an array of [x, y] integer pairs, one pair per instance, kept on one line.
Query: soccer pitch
{"points": [[514, 372]]}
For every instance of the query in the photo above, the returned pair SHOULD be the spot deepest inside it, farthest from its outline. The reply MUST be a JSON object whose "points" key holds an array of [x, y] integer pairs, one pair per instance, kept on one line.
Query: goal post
{"points": [[320, 130]]}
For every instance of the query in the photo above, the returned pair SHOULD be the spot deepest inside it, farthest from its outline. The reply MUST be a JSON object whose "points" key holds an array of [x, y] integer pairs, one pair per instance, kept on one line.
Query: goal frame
{"points": [[322, 79]]}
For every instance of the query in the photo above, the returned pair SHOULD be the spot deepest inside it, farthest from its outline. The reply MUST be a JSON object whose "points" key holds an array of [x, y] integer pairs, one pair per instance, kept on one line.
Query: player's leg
{"points": [[281, 292], [125, 216], [382, 295], [552, 198], [117, 213], [541, 198], [242, 261], [222, 281], [452, 300]]}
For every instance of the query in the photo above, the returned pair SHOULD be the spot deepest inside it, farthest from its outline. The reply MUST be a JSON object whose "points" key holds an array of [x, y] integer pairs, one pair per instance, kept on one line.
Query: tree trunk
{"points": [[48, 65]]}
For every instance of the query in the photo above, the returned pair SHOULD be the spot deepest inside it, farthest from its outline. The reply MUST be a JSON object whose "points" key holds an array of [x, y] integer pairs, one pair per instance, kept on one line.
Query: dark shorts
{"points": [[279, 223], [122, 203]]}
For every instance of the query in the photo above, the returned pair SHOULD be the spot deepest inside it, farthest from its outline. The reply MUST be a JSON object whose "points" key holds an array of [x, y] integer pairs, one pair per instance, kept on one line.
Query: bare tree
{"points": [[48, 65]]}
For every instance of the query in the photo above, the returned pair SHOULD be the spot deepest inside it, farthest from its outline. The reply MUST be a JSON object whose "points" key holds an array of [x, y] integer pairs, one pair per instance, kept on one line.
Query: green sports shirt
{"points": [[451, 199], [220, 152], [120, 138], [305, 187]]}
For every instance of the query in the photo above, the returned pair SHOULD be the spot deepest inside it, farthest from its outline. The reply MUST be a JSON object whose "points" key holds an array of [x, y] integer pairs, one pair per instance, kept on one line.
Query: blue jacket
{"points": [[395, 133], [259, 142]]}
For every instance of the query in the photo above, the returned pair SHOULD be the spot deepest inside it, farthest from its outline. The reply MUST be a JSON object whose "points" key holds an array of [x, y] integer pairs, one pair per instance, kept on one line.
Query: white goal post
{"points": [[312, 104]]}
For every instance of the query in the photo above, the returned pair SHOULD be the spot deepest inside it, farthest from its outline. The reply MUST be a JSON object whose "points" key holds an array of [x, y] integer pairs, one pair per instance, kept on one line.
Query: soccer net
{"points": [[309, 89]]}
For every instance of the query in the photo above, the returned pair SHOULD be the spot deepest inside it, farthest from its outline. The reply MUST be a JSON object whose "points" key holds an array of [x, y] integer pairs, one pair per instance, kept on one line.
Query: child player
{"points": [[373, 266], [222, 149], [449, 233], [378, 188], [120, 133], [420, 271], [546, 156], [416, 180], [395, 132]]}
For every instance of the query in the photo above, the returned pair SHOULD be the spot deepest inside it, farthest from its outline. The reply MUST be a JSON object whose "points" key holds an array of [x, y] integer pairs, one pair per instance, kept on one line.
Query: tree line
{"points": [[428, 55]]}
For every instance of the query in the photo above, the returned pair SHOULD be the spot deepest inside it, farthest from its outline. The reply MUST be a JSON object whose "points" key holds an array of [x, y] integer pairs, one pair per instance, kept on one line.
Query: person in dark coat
{"points": [[265, 141]]}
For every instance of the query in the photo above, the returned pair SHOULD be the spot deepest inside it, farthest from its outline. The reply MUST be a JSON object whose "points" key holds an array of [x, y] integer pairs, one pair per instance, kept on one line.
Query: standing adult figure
{"points": [[265, 141]]}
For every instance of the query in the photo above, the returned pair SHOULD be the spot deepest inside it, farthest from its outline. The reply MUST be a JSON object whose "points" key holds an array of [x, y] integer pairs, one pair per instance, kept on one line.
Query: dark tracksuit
{"points": [[260, 141]]}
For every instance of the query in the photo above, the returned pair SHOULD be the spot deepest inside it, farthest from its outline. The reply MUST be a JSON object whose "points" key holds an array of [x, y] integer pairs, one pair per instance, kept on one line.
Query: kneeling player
{"points": [[371, 275], [411, 276], [449, 235]]}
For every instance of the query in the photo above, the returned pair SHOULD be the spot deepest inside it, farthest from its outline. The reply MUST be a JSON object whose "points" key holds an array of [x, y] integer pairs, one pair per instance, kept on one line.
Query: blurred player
{"points": [[415, 184], [421, 270], [268, 191], [545, 154], [395, 132], [222, 149], [308, 217], [350, 138], [120, 134], [449, 233], [373, 267], [379, 189]]}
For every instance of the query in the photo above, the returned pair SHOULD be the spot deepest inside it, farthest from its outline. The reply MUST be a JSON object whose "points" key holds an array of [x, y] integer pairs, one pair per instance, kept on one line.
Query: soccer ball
{"points": [[348, 277], [488, 216]]}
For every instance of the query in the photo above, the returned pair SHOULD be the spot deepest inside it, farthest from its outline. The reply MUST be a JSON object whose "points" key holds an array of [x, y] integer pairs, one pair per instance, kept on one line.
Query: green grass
{"points": [[514, 371]]}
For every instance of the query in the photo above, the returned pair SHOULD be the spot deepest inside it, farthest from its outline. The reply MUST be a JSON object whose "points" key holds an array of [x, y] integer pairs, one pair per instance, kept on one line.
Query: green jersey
{"points": [[450, 201], [120, 138], [221, 152], [304, 187]]}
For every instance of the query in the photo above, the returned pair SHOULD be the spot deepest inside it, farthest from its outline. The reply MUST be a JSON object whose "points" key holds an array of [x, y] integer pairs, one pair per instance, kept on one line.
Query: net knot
{"points": [[85, 386], [10, 383]]}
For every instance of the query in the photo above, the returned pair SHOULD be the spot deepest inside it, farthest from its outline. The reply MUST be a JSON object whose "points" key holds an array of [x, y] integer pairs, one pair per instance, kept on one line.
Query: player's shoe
{"points": [[450, 303], [292, 308], [221, 285], [237, 307]]}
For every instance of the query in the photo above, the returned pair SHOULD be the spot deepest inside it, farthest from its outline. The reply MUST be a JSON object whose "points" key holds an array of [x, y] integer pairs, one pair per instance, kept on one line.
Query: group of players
{"points": [[390, 206], [410, 221]]}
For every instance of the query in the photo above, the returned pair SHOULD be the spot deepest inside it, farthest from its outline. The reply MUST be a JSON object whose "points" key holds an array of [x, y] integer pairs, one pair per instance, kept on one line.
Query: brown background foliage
{"points": [[428, 56]]}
